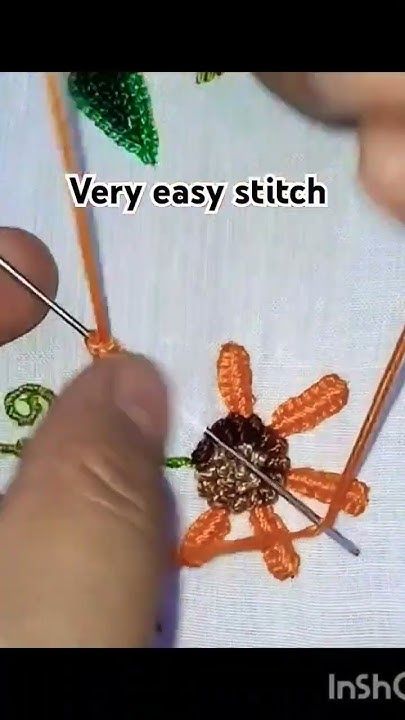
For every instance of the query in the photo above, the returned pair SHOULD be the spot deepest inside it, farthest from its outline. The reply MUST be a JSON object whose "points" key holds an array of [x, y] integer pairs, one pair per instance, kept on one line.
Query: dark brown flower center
{"points": [[227, 482]]}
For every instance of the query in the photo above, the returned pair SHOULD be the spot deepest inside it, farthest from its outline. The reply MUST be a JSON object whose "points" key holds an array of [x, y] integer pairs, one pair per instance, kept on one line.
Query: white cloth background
{"points": [[307, 291]]}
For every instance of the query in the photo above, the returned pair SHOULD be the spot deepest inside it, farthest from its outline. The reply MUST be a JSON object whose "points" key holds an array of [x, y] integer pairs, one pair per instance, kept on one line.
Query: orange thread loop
{"points": [[99, 348]]}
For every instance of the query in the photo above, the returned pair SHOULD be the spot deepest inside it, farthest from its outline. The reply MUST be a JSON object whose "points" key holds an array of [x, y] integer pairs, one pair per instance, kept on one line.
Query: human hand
{"points": [[375, 104], [82, 549]]}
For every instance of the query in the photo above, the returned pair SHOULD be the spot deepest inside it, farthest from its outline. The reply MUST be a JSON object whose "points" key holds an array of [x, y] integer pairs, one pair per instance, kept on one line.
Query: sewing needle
{"points": [[295, 502], [67, 317]]}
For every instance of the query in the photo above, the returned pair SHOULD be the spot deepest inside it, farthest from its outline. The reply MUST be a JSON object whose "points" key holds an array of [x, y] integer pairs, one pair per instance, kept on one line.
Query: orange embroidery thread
{"points": [[229, 487], [363, 439], [101, 343]]}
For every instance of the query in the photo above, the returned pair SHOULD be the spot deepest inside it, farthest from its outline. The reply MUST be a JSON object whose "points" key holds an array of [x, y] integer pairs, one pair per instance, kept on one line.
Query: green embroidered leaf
{"points": [[178, 462], [119, 104], [205, 77]]}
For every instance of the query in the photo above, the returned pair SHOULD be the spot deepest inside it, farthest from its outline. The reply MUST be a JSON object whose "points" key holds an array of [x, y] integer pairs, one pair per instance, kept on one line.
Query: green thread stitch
{"points": [[26, 403], [178, 462], [119, 104], [206, 77], [12, 448]]}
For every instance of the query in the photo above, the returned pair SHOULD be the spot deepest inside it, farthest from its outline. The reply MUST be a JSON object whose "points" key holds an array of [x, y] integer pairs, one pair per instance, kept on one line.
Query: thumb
{"points": [[82, 549]]}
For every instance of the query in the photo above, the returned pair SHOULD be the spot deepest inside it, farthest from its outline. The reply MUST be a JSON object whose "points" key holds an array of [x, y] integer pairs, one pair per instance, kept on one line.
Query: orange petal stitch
{"points": [[304, 412], [211, 526], [235, 379], [322, 486], [281, 559]]}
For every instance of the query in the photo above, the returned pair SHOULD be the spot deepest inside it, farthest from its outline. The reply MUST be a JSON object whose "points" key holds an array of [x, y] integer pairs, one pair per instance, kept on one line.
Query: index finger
{"points": [[338, 96]]}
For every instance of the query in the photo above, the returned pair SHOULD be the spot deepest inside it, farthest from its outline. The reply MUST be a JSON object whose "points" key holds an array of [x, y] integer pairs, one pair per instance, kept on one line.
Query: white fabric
{"points": [[306, 291]]}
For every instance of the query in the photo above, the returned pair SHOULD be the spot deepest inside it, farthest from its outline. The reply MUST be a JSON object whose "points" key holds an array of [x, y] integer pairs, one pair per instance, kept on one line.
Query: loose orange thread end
{"points": [[98, 348]]}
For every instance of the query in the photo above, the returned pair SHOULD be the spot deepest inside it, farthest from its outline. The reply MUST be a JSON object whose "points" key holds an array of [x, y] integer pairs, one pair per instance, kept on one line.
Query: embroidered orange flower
{"points": [[230, 487]]}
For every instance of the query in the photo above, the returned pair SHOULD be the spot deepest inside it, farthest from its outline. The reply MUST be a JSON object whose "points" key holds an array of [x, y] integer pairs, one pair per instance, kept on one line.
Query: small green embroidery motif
{"points": [[27, 403], [24, 405], [205, 77], [178, 462], [12, 448]]}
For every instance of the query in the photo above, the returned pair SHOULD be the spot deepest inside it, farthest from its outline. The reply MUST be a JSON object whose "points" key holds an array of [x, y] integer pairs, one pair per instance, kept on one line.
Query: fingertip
{"points": [[382, 163]]}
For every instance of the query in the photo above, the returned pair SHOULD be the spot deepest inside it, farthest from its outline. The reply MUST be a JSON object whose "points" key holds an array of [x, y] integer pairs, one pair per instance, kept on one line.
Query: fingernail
{"points": [[141, 394]]}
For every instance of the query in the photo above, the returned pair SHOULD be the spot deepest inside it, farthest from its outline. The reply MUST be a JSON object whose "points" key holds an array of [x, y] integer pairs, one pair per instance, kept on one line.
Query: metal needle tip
{"points": [[67, 317], [289, 497]]}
